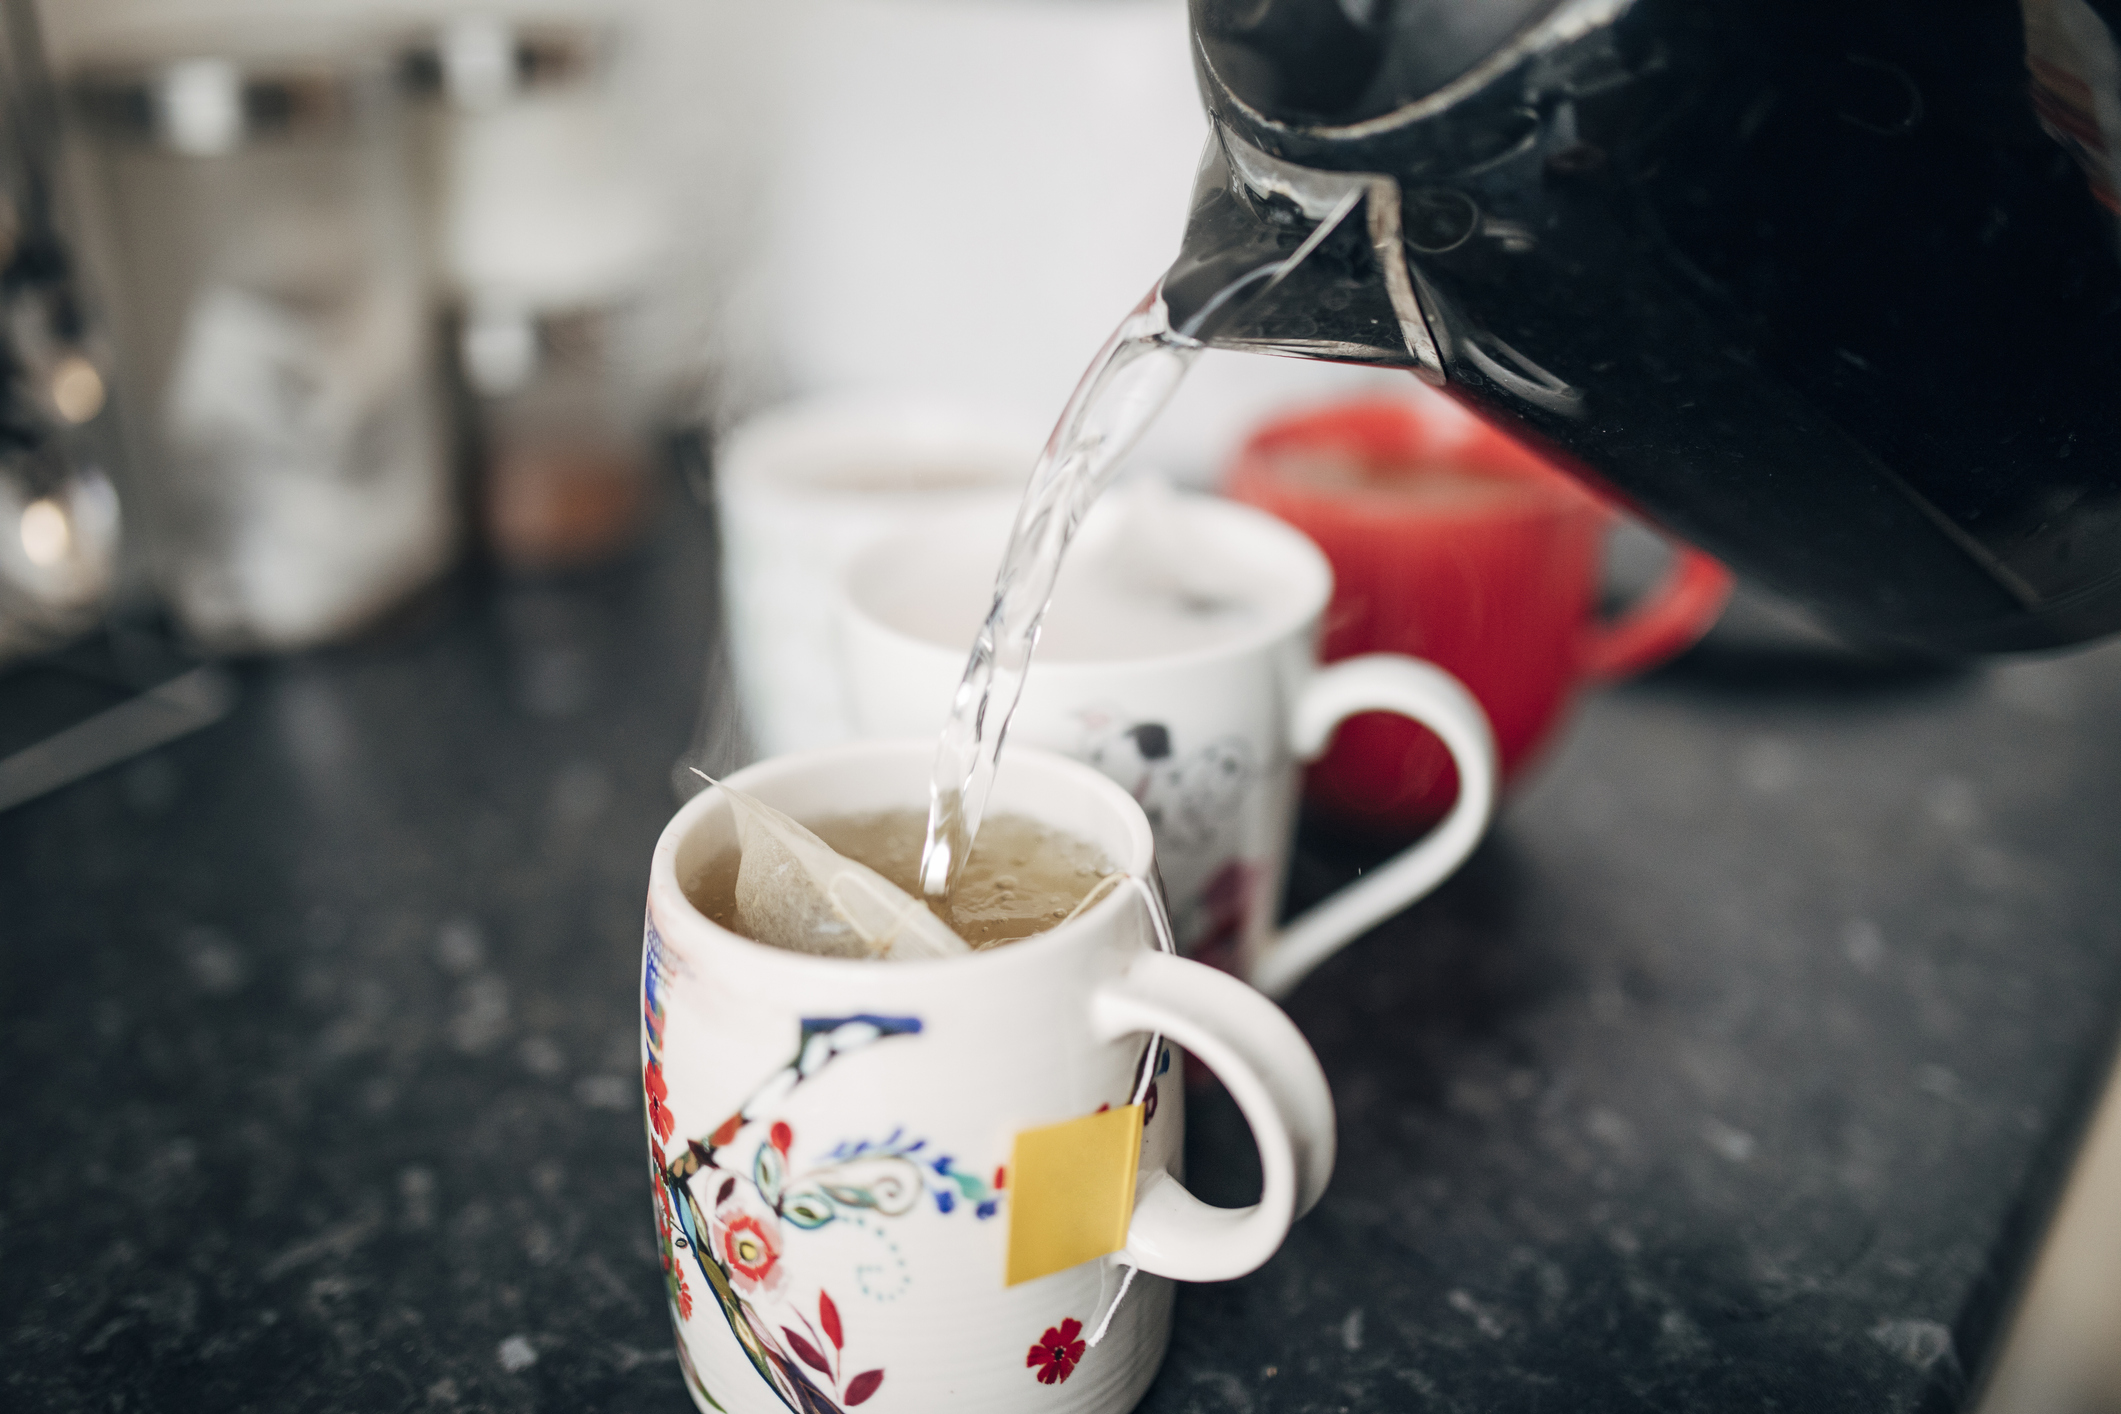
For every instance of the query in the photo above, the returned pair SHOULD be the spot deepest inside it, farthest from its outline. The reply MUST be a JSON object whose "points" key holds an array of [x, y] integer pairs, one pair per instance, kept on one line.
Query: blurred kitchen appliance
{"points": [[59, 518], [273, 317], [544, 226], [1829, 290]]}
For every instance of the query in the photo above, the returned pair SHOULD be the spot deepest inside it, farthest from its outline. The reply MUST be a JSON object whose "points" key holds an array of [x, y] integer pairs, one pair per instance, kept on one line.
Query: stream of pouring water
{"points": [[1125, 387]]}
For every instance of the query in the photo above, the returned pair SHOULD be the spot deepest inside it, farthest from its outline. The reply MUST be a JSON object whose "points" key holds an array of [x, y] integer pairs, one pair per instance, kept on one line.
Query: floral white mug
{"points": [[841, 1150]]}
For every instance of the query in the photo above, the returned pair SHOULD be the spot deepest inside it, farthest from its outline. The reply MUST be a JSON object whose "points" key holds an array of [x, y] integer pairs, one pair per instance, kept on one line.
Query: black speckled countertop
{"points": [[1736, 1071]]}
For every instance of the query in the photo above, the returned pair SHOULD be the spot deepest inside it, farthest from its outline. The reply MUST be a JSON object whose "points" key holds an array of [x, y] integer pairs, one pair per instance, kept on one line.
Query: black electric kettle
{"points": [[1832, 290]]}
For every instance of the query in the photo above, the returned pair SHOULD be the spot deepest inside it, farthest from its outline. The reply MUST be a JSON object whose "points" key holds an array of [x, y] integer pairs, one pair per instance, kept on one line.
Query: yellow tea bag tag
{"points": [[1071, 1191]]}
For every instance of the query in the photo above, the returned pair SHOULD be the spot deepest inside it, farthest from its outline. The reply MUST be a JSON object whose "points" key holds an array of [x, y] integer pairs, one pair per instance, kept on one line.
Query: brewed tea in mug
{"points": [[1023, 877]]}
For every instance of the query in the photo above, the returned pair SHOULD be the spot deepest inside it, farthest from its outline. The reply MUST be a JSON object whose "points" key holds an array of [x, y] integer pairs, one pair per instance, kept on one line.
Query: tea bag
{"points": [[795, 891]]}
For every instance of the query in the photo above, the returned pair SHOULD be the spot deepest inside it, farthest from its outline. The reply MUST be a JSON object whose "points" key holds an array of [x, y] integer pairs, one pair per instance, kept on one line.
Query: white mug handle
{"points": [[1385, 682], [1268, 1068]]}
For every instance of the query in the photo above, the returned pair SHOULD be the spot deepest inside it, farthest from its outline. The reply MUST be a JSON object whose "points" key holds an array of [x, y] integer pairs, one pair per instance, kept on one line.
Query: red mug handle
{"points": [[1665, 622]]}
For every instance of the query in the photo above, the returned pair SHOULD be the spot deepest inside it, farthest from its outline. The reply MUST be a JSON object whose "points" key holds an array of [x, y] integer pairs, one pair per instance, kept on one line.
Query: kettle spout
{"points": [[1290, 260]]}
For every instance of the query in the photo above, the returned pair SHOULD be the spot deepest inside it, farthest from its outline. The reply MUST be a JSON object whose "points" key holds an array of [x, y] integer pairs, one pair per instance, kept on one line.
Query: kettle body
{"points": [[1832, 290]]}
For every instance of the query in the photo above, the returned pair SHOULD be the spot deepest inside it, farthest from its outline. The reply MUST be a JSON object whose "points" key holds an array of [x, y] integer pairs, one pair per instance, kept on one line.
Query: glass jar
{"points": [[545, 227], [565, 465]]}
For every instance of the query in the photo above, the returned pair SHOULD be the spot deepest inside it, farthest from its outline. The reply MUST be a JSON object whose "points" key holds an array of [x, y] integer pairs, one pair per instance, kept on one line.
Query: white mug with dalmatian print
{"points": [[1208, 733]]}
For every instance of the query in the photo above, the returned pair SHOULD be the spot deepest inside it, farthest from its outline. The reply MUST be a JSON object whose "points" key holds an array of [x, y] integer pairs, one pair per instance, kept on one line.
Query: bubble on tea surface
{"points": [[795, 891]]}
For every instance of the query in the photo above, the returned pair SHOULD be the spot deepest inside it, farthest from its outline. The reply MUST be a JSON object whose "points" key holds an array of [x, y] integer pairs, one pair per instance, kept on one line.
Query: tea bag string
{"points": [[1152, 892], [1104, 1322], [1160, 926], [1153, 896], [1097, 894]]}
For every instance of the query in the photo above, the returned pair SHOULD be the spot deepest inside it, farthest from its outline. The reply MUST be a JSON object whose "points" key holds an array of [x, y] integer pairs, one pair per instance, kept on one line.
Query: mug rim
{"points": [[841, 429], [1308, 561], [668, 900]]}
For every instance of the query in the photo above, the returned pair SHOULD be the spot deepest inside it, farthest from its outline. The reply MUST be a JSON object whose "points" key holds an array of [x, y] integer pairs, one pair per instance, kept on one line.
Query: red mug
{"points": [[1451, 542]]}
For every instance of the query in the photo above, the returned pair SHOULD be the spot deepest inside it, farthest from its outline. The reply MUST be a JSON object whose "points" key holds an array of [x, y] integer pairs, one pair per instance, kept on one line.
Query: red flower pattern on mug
{"points": [[659, 1116], [749, 1249], [674, 1275], [1057, 1352]]}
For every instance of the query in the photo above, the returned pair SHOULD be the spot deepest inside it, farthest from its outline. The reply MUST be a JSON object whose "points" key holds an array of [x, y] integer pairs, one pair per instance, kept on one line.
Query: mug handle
{"points": [[1667, 620], [1269, 1069], [1385, 682]]}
